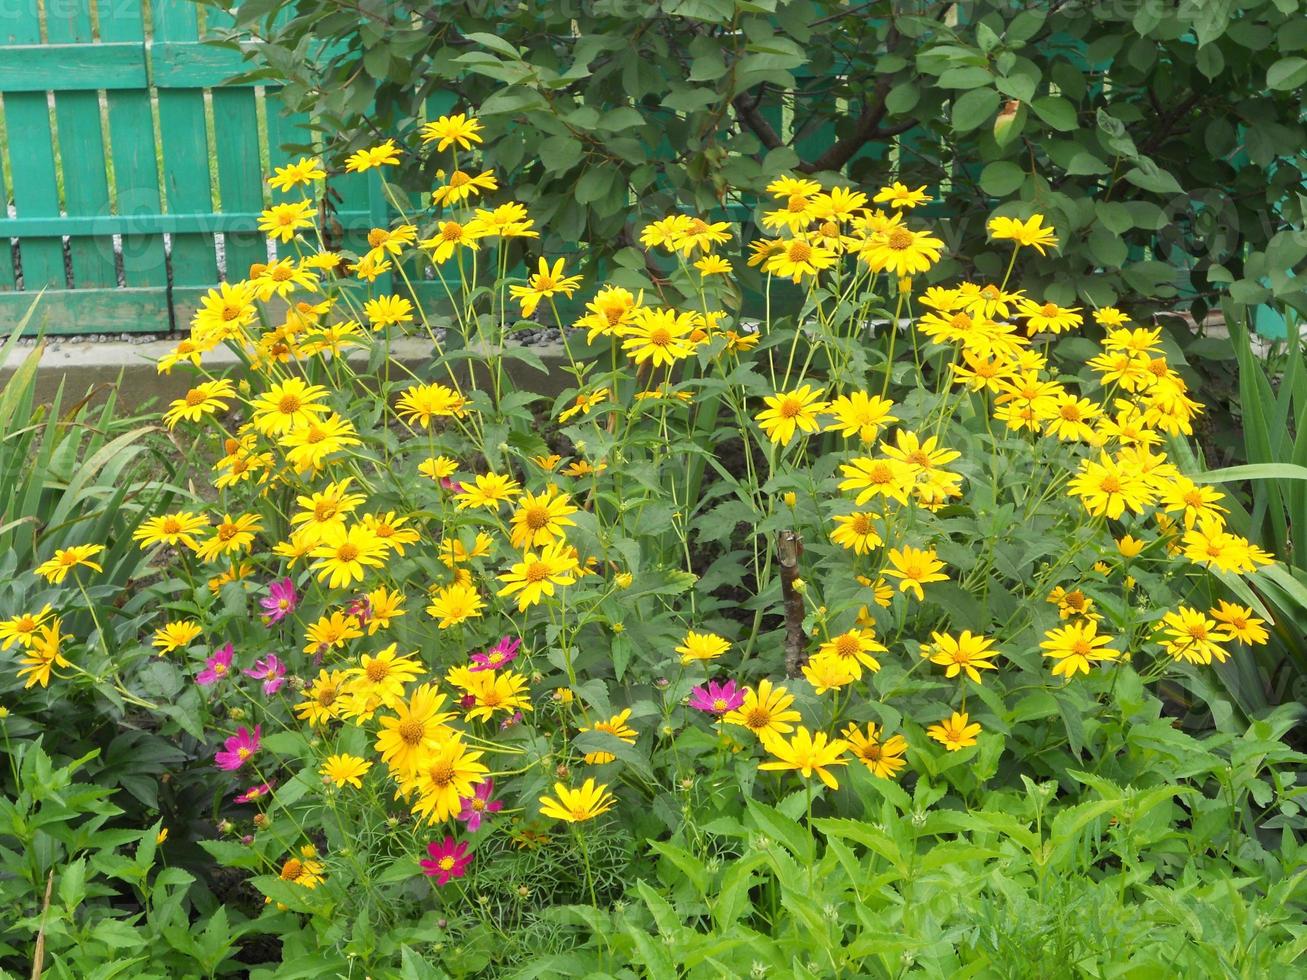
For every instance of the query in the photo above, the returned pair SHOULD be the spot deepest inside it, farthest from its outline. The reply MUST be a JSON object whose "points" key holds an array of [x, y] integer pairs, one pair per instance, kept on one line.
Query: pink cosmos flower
{"points": [[271, 671], [240, 747], [510, 721], [476, 806], [448, 860], [281, 601], [500, 655], [255, 793], [717, 698], [216, 667]]}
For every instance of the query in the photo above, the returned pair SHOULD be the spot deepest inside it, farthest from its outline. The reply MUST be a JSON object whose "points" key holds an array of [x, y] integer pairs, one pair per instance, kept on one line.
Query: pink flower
{"points": [[476, 806], [361, 609], [501, 654], [216, 667], [240, 747], [255, 793], [449, 483], [281, 601], [510, 721], [271, 671], [717, 699], [448, 860]]}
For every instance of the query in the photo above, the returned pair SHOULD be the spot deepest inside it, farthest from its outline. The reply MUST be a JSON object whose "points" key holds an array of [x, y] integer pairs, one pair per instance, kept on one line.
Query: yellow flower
{"points": [[766, 711], [1031, 232], [615, 726], [966, 653], [855, 649], [1187, 634], [577, 805], [509, 220], [1211, 545], [282, 221], [287, 404], [384, 242], [955, 733], [1241, 623], [417, 728], [303, 171], [914, 568], [331, 631], [1197, 501], [460, 129], [495, 690], [788, 411], [443, 776], [377, 156], [713, 265], [44, 654], [876, 477], [884, 757], [1076, 647], [204, 399], [391, 532], [171, 529], [898, 195], [344, 555], [342, 769], [303, 871], [539, 573], [807, 753], [860, 414], [1129, 546], [609, 311], [459, 188], [174, 635], [438, 467], [1072, 603], [487, 490], [541, 518], [543, 284], [583, 404], [378, 681], [449, 236], [66, 559], [1072, 419], [22, 629], [797, 258], [900, 251], [1049, 317], [1107, 488], [698, 647], [387, 311], [421, 403], [321, 702], [455, 604], [661, 337], [826, 672]]}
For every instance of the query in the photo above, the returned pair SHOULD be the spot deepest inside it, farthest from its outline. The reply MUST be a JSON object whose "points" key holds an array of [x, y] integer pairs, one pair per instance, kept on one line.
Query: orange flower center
{"points": [[899, 239]]}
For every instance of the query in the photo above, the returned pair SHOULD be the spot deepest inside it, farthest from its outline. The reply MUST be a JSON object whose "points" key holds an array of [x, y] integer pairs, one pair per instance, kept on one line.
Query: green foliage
{"points": [[1164, 141]]}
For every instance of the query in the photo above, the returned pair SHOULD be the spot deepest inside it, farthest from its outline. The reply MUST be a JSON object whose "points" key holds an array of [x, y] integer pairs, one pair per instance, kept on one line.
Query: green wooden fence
{"points": [[131, 180]]}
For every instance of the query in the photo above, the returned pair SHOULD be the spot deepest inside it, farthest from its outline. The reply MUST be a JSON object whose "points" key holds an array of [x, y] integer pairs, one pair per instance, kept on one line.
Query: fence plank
{"points": [[33, 174], [240, 178], [132, 146], [186, 181], [6, 249]]}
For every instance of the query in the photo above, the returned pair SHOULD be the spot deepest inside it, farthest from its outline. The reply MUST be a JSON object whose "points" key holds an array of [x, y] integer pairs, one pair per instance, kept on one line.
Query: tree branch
{"points": [[751, 117]]}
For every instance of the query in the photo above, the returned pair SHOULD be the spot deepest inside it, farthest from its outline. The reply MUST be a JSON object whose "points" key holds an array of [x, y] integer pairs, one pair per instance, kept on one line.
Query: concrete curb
{"points": [[131, 367]]}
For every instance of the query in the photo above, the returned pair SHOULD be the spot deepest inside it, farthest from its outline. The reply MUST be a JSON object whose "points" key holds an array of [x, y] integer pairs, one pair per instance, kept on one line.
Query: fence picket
{"points": [[132, 149], [32, 170], [186, 178]]}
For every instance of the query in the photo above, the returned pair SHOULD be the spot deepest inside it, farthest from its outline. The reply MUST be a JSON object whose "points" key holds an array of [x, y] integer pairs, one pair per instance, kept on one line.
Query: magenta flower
{"points": [[271, 671], [448, 860], [717, 699], [281, 601], [476, 806], [255, 793], [216, 667], [240, 747], [360, 609], [514, 719], [501, 654]]}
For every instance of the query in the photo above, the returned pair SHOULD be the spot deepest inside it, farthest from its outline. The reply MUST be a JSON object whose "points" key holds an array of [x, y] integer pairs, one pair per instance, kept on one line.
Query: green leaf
{"points": [[1056, 113], [495, 43], [1001, 178], [973, 109], [1253, 471], [1287, 74]]}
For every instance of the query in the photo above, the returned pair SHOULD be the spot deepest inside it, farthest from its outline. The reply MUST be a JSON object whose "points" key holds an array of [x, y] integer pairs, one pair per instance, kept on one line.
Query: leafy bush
{"points": [[763, 646], [1163, 141]]}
